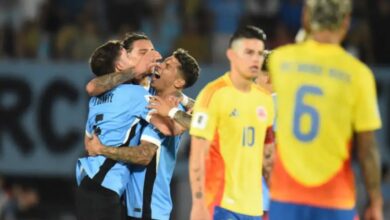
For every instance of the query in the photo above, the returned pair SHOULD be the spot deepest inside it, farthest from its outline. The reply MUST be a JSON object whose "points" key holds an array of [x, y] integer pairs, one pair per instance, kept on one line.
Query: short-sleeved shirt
{"points": [[324, 96], [148, 193], [116, 116], [236, 123]]}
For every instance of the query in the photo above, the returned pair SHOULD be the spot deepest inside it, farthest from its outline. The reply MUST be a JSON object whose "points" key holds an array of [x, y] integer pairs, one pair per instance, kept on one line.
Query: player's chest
{"points": [[244, 111]]}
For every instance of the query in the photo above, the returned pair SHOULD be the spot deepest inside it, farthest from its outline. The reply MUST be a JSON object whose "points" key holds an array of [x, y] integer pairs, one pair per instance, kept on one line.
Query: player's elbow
{"points": [[90, 88]]}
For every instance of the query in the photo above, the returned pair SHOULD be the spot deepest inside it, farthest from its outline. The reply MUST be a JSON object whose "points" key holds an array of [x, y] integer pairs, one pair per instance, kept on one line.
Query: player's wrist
{"points": [[184, 101], [172, 112], [376, 201]]}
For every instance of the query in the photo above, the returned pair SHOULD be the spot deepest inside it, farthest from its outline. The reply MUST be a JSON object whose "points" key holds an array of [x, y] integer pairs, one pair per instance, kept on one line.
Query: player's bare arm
{"points": [[168, 108], [141, 154], [369, 161], [183, 118], [268, 160], [199, 149], [166, 126], [106, 82], [269, 153]]}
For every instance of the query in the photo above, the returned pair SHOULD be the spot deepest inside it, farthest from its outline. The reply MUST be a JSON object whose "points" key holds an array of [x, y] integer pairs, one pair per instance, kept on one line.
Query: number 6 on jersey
{"points": [[302, 109]]}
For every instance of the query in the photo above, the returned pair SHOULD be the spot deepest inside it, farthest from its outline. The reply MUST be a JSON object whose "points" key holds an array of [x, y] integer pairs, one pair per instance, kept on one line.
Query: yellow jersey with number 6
{"points": [[324, 96]]}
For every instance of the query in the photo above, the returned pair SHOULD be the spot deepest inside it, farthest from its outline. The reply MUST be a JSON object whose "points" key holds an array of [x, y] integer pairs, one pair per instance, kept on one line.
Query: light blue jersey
{"points": [[148, 194], [116, 117]]}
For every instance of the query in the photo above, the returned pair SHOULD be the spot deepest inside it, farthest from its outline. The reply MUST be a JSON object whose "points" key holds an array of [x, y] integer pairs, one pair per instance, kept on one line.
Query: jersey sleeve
{"points": [[88, 130], [205, 115], [366, 114], [152, 135]]}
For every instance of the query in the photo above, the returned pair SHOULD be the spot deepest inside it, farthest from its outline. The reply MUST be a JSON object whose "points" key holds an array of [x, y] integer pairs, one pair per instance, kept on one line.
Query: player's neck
{"points": [[239, 82], [327, 37], [168, 92]]}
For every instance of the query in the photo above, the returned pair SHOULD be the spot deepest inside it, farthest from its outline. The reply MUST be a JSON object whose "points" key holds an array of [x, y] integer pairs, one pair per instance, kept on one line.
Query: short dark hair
{"points": [[189, 67], [103, 59], [267, 53], [248, 32], [130, 38]]}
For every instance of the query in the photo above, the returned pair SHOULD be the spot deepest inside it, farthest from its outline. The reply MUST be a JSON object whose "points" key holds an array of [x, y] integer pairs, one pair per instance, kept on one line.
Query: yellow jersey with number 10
{"points": [[324, 96], [236, 123]]}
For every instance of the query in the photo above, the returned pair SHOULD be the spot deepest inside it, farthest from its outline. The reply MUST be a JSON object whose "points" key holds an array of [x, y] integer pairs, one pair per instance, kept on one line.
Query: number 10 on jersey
{"points": [[248, 136]]}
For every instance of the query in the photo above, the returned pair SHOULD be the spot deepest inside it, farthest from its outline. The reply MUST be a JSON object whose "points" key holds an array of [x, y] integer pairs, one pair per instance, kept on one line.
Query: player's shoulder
{"points": [[264, 95], [261, 90], [216, 85], [358, 66], [131, 87], [212, 89], [130, 92]]}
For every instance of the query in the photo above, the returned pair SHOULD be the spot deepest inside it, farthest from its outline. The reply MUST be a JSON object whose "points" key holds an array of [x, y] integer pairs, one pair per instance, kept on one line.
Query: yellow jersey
{"points": [[236, 123], [324, 96]]}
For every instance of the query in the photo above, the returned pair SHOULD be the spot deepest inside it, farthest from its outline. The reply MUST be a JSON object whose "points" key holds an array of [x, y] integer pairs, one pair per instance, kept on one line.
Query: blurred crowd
{"points": [[72, 29]]}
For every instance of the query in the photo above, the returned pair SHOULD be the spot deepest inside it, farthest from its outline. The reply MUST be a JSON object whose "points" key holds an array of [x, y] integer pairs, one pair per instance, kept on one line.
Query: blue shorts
{"points": [[290, 211], [224, 214]]}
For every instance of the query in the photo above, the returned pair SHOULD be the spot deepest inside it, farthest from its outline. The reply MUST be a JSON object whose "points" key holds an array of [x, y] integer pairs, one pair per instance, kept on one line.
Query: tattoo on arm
{"points": [[198, 195], [183, 118], [109, 81], [369, 160], [197, 167], [141, 154]]}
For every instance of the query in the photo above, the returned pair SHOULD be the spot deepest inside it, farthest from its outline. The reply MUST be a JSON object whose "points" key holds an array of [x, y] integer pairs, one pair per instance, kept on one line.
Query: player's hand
{"points": [[162, 106], [93, 145], [374, 211], [199, 212], [147, 63]]}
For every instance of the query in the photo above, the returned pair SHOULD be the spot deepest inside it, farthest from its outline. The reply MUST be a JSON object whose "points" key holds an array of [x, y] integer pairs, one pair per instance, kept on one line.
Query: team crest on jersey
{"points": [[261, 113]]}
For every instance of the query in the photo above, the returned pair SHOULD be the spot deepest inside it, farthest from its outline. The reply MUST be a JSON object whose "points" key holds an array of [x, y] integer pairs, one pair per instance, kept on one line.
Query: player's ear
{"points": [[179, 83], [229, 54], [118, 65]]}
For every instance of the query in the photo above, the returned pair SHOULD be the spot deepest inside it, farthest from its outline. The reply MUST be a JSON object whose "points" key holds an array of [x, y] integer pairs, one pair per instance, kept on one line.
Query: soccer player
{"points": [[230, 120], [326, 97], [148, 195], [264, 81], [115, 117]]}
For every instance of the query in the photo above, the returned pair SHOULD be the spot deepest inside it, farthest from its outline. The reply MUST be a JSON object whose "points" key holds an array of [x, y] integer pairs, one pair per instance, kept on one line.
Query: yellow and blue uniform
{"points": [[235, 122], [324, 96]]}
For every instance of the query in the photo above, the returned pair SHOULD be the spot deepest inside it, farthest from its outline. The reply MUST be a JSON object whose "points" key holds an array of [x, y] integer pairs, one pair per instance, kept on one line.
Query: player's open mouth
{"points": [[156, 74], [254, 68]]}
